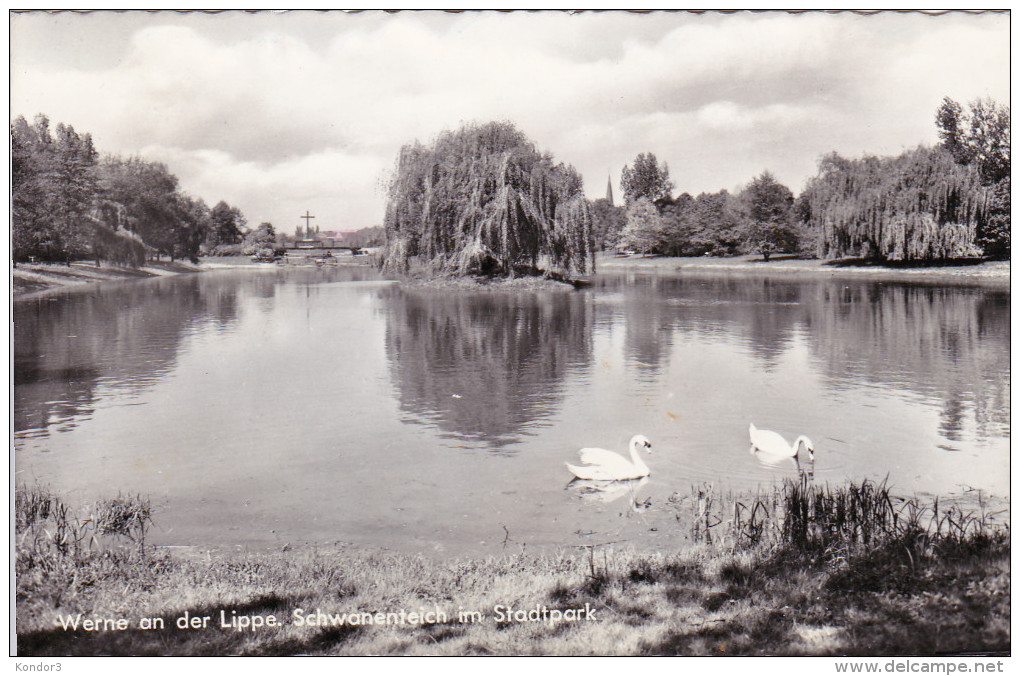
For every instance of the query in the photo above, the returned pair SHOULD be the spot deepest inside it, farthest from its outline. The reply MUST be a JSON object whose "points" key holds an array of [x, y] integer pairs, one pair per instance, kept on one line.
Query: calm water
{"points": [[263, 407]]}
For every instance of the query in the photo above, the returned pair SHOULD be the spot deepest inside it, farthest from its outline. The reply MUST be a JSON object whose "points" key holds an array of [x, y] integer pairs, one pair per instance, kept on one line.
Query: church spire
{"points": [[609, 191]]}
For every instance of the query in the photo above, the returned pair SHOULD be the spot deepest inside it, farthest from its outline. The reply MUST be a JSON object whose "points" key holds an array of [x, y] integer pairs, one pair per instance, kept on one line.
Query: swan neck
{"points": [[634, 452], [635, 457]]}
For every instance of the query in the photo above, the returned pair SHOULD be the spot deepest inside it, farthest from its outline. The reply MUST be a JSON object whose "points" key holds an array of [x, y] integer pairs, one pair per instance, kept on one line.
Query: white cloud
{"points": [[277, 114], [728, 116], [349, 184]]}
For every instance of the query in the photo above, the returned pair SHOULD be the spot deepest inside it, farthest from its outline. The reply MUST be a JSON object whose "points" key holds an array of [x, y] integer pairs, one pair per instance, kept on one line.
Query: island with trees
{"points": [[483, 199]]}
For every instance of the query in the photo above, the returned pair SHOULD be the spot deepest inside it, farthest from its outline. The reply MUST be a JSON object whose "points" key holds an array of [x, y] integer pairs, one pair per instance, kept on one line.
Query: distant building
{"points": [[609, 191], [342, 236], [327, 239]]}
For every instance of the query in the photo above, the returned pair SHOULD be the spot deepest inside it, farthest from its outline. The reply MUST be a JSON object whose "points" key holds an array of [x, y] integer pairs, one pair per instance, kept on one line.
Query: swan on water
{"points": [[603, 465], [773, 444]]}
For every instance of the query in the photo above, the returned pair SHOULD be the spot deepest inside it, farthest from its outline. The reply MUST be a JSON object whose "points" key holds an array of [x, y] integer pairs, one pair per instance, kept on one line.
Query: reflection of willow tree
{"points": [[125, 336], [485, 366], [951, 343]]}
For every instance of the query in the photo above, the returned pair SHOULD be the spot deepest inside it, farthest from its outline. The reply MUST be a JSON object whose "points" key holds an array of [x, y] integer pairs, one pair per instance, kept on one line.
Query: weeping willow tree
{"points": [[920, 206], [483, 198], [111, 240]]}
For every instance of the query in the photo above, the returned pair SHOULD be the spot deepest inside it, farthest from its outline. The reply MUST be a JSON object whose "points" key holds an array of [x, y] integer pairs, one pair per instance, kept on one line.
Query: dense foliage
{"points": [[951, 201], [766, 207], [69, 203], [646, 180], [715, 224], [928, 204], [979, 136], [226, 226], [608, 222], [260, 239], [993, 232], [483, 198], [645, 231], [921, 205], [53, 189], [760, 218], [152, 207], [707, 224]]}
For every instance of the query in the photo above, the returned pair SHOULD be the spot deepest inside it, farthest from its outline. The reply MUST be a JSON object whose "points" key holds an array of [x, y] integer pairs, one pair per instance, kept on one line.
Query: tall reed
{"points": [[46, 528], [832, 522]]}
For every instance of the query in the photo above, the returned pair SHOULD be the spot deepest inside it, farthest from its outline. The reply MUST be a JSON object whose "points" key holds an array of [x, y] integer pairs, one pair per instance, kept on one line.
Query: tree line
{"points": [[944, 202], [70, 203]]}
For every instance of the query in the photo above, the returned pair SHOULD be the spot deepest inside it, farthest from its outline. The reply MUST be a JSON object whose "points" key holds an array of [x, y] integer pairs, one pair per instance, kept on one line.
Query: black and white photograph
{"points": [[511, 333]]}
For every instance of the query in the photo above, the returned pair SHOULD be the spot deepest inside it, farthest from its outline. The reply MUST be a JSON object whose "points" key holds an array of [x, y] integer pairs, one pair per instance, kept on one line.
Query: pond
{"points": [[259, 408]]}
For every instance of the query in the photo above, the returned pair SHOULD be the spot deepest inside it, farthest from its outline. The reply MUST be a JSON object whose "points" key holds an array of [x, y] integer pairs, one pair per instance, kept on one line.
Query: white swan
{"points": [[603, 465], [773, 444]]}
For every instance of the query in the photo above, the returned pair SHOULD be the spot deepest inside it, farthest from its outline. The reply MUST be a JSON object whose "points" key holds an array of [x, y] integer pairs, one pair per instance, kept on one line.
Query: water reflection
{"points": [[610, 491], [118, 337], [785, 463], [948, 343], [236, 398], [647, 325], [654, 309], [775, 460], [484, 366]]}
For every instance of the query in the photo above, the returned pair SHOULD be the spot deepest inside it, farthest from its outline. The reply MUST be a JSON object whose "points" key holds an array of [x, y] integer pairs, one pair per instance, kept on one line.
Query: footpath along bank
{"points": [[33, 277]]}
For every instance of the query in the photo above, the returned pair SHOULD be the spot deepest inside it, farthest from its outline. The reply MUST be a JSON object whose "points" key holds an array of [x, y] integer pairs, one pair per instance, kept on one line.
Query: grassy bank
{"points": [[29, 278], [983, 273], [962, 272], [32, 277], [801, 570]]}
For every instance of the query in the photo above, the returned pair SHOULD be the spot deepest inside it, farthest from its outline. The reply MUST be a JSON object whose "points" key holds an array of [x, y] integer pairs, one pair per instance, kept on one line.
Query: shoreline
{"points": [[986, 273], [759, 589], [31, 278]]}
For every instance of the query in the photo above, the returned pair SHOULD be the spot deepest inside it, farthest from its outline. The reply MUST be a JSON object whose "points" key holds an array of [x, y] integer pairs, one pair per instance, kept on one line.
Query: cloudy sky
{"points": [[277, 113]]}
